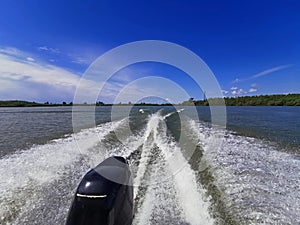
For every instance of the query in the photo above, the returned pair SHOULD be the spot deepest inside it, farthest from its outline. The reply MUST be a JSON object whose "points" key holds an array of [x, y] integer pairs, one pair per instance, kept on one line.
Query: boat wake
{"points": [[38, 184], [166, 188], [243, 181]]}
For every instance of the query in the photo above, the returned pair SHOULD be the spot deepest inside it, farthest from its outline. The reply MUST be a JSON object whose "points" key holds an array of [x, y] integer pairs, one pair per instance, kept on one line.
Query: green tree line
{"points": [[20, 103], [262, 100]]}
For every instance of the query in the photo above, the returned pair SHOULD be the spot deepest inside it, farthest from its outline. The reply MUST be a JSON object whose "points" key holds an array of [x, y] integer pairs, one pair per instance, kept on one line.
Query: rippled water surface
{"points": [[185, 171]]}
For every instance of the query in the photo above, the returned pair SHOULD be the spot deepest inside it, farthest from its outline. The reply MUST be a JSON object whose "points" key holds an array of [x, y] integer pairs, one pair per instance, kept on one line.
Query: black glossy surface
{"points": [[101, 201]]}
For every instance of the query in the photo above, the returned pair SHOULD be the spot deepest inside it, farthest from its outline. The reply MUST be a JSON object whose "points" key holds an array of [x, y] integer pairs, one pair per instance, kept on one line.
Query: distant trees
{"points": [[19, 103], [190, 101], [100, 103], [262, 100]]}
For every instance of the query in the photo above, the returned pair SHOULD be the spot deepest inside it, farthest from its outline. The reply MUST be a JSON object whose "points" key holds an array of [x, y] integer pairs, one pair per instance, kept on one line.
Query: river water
{"points": [[185, 171]]}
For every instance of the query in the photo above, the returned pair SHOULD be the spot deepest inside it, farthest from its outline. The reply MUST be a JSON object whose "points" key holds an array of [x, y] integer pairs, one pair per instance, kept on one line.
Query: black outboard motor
{"points": [[104, 196]]}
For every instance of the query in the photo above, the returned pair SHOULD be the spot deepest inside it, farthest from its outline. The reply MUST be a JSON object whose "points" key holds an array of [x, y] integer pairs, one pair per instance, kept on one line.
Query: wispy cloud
{"points": [[25, 76], [251, 90], [151, 87], [83, 55], [269, 71], [239, 91], [78, 56], [262, 73], [48, 49], [81, 60], [30, 59], [235, 81], [14, 53], [225, 92]]}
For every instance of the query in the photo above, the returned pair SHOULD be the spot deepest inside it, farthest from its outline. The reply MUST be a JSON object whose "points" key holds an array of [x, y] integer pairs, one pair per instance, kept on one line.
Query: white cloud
{"points": [[48, 49], [262, 73], [251, 90], [238, 92], [15, 54], [11, 51], [84, 58], [225, 92], [152, 86], [30, 59], [272, 70], [254, 85], [26, 77], [236, 81], [81, 60], [15, 69], [83, 55], [233, 88]]}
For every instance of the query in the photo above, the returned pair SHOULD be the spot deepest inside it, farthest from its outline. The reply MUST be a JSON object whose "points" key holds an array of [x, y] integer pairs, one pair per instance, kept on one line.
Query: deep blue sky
{"points": [[253, 47]]}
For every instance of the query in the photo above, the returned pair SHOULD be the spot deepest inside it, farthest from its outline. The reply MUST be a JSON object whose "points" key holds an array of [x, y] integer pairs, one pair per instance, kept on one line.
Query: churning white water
{"points": [[38, 184]]}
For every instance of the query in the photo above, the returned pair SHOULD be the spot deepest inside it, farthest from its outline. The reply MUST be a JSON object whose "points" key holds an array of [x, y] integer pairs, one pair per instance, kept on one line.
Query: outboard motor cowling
{"points": [[104, 195]]}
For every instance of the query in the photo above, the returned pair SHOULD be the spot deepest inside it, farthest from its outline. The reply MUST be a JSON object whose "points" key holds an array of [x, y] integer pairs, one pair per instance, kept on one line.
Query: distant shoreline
{"points": [[261, 100]]}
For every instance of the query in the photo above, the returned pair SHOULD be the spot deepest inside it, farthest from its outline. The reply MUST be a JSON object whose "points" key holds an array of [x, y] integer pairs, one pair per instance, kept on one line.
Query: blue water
{"points": [[38, 125], [280, 124], [246, 174]]}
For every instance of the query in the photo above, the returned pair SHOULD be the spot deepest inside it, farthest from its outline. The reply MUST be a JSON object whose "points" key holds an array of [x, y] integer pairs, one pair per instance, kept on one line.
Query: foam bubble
{"points": [[23, 173], [188, 197], [260, 182]]}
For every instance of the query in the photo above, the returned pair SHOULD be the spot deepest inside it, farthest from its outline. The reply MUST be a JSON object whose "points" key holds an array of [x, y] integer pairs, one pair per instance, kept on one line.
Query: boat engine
{"points": [[104, 195]]}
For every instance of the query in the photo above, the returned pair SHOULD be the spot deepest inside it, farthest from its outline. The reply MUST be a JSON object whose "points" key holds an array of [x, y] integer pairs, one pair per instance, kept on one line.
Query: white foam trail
{"points": [[259, 182], [124, 148], [150, 128], [180, 110], [168, 115], [144, 213], [45, 163], [189, 196], [127, 147], [171, 113]]}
